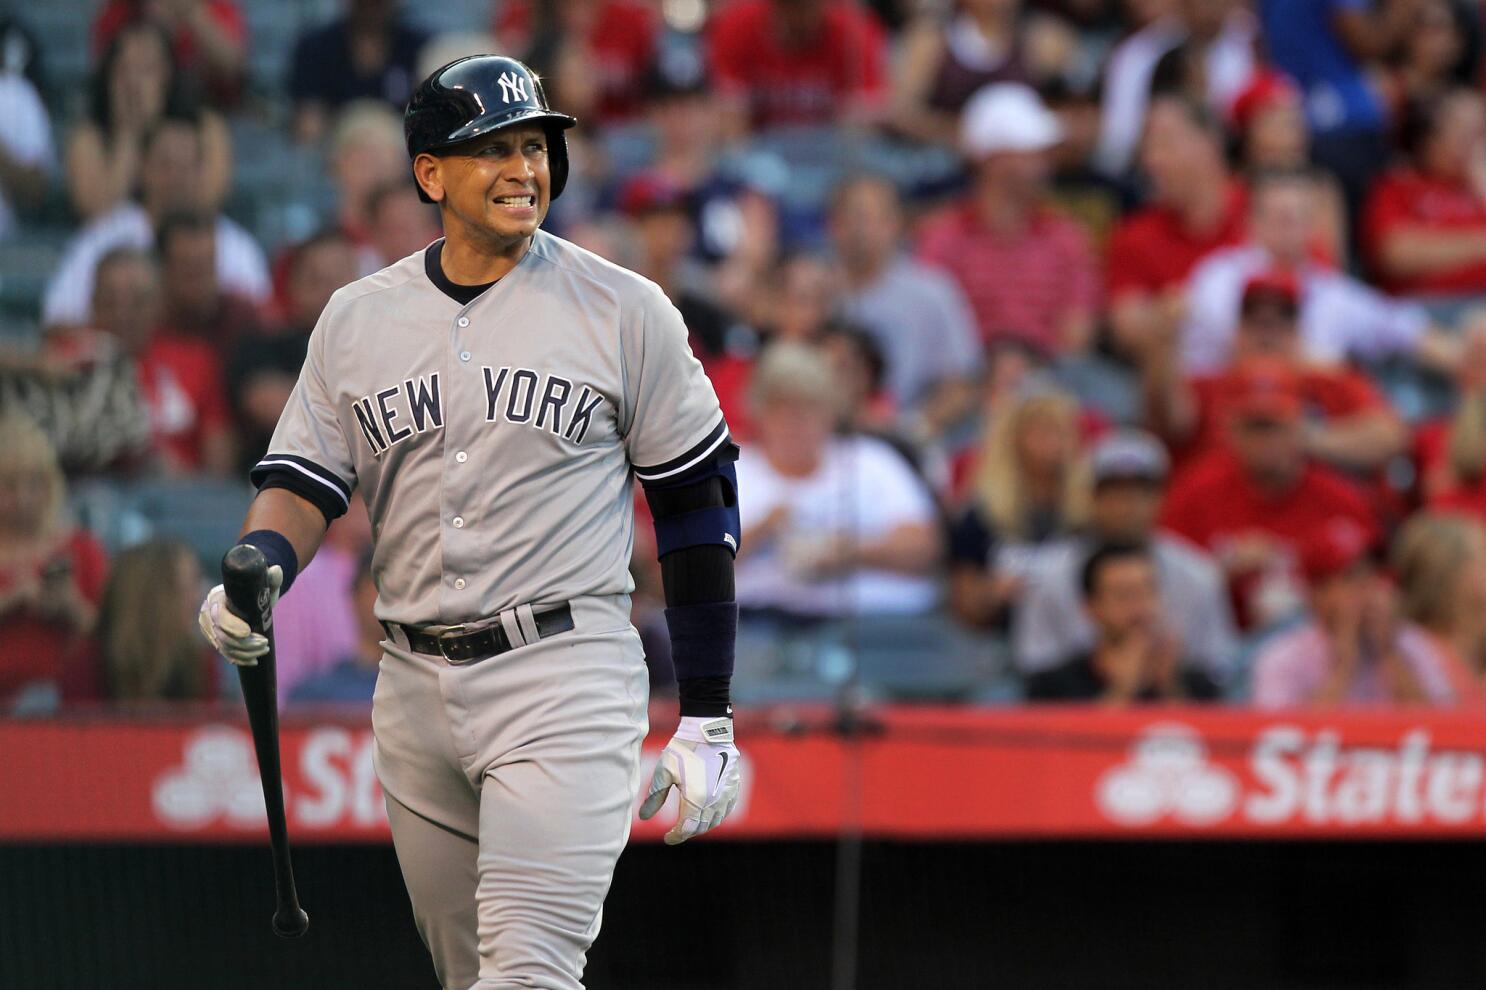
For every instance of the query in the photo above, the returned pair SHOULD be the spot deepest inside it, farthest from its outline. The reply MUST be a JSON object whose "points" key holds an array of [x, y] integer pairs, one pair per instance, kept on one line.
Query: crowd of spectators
{"points": [[1132, 341]]}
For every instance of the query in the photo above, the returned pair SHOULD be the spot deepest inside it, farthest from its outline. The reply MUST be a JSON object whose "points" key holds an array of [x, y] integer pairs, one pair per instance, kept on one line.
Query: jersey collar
{"points": [[462, 294]]}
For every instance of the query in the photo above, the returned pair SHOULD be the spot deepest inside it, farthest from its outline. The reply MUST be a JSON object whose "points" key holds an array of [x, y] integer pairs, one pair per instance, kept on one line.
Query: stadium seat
{"points": [[102, 508], [204, 514], [25, 267], [895, 658]]}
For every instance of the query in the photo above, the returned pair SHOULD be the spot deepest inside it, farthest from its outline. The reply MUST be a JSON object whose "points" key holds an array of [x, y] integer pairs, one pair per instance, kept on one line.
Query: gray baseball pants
{"points": [[510, 784]]}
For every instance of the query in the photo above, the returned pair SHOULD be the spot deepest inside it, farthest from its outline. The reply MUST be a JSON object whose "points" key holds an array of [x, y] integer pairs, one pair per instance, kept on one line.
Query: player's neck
{"points": [[468, 261]]}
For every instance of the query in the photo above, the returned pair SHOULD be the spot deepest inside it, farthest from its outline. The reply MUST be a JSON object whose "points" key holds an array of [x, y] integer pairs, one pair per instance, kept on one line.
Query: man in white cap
{"points": [[1129, 470], [1029, 273]]}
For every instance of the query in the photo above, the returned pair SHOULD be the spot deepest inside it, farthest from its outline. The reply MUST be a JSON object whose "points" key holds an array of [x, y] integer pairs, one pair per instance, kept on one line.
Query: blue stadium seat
{"points": [[26, 264], [202, 513], [102, 508], [896, 658]]}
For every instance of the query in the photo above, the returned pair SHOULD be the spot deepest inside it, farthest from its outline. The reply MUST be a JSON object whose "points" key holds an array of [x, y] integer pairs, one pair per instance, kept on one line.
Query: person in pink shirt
{"points": [[1356, 648], [1028, 271], [317, 627]]}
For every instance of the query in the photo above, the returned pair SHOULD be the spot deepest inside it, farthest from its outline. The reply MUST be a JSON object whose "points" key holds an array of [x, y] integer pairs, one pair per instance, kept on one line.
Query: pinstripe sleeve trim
{"points": [[304, 466], [698, 454]]}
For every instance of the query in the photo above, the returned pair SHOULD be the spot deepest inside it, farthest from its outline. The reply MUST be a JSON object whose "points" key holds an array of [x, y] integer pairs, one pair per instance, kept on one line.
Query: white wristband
{"points": [[696, 729]]}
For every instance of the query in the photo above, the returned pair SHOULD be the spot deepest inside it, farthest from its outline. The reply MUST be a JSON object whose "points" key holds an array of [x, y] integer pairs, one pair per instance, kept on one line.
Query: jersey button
{"points": [[459, 522], [464, 355], [464, 321], [459, 584], [461, 457]]}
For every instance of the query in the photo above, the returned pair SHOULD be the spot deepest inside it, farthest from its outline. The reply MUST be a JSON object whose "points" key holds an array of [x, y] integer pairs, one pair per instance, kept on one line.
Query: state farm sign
{"points": [[1015, 772], [1293, 776], [330, 782]]}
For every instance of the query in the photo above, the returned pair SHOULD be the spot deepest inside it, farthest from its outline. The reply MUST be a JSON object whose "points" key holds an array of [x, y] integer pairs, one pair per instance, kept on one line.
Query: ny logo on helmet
{"points": [[513, 88]]}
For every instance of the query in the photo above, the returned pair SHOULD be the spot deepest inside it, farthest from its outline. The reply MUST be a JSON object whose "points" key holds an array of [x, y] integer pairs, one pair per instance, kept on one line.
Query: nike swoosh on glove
{"points": [[228, 632], [701, 762]]}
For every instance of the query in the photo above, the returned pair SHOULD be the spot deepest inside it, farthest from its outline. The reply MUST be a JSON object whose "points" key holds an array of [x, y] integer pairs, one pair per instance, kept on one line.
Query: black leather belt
{"points": [[466, 647]]}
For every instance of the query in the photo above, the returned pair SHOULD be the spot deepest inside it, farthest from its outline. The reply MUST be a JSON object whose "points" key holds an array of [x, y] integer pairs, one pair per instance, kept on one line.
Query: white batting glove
{"points": [[701, 762], [228, 632]]}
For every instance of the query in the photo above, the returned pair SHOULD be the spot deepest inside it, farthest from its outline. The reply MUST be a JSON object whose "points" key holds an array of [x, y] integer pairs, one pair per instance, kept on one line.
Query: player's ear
{"points": [[427, 173]]}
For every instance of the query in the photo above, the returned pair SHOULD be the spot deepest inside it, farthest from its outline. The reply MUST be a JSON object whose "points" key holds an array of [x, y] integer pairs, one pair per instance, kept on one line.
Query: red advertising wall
{"points": [[913, 773]]}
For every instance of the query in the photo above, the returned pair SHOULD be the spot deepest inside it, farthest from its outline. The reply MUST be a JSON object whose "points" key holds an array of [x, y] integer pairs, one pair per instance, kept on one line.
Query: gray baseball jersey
{"points": [[493, 441], [494, 435]]}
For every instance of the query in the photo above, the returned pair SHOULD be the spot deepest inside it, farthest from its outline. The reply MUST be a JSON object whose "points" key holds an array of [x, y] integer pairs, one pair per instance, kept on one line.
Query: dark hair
{"points": [[1061, 91], [181, 222], [863, 343], [1173, 73], [1105, 554], [1421, 117], [1197, 114], [1466, 26], [178, 100]]}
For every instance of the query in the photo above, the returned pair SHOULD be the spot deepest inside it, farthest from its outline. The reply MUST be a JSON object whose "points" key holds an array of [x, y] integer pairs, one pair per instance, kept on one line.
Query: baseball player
{"points": [[492, 396]]}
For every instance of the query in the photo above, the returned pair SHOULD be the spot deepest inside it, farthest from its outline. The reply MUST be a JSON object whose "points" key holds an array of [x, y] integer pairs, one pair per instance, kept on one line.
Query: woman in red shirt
{"points": [[51, 577], [1425, 224]]}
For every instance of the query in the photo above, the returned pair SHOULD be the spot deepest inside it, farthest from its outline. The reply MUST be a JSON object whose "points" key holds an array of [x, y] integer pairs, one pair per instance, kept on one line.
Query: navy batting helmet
{"points": [[476, 95]]}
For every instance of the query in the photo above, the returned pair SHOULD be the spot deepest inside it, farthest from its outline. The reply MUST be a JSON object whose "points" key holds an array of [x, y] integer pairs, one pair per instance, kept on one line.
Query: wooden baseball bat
{"points": [[245, 579]]}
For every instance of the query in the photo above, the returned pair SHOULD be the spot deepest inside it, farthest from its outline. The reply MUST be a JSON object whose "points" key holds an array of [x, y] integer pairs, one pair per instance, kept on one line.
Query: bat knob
{"points": [[244, 563], [290, 922]]}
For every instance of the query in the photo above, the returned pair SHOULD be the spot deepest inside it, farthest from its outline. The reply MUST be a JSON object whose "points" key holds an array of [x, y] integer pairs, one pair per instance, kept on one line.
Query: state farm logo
{"points": [[218, 779], [1168, 774], [1294, 777], [329, 782]]}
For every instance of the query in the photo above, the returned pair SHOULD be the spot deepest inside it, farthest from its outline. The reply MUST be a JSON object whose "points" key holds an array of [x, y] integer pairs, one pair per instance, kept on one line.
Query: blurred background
{"points": [[1111, 381]]}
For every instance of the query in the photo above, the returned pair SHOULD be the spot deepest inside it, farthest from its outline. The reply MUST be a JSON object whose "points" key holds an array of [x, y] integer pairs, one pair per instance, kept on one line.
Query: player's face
{"points": [[500, 184]]}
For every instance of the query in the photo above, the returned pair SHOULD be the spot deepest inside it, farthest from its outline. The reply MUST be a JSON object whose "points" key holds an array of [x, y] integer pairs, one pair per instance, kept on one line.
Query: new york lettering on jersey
{"points": [[520, 395], [510, 418]]}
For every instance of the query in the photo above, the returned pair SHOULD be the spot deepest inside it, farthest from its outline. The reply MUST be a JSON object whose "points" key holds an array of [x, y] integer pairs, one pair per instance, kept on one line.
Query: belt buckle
{"points": [[449, 634]]}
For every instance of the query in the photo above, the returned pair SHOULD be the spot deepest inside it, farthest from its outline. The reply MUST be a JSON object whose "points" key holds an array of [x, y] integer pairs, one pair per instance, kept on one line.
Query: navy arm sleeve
{"points": [[696, 523]]}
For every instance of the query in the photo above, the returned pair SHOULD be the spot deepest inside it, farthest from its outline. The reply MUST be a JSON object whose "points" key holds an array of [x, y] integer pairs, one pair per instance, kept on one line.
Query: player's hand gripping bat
{"points": [[245, 580]]}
